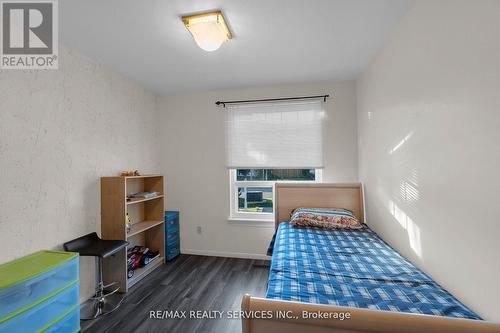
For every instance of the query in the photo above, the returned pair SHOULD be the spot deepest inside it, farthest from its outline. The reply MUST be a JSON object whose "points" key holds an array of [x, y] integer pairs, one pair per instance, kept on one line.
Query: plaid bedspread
{"points": [[353, 268]]}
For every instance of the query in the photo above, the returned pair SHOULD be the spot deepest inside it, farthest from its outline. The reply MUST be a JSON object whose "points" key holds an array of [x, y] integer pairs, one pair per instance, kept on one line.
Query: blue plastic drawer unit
{"points": [[70, 323], [38, 290], [40, 317], [172, 252], [172, 238]]}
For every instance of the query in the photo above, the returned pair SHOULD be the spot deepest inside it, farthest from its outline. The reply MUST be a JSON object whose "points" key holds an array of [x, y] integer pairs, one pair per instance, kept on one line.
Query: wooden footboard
{"points": [[262, 315]]}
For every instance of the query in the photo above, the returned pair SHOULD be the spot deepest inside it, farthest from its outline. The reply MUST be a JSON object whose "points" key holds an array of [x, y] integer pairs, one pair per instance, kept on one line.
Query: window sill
{"points": [[266, 223]]}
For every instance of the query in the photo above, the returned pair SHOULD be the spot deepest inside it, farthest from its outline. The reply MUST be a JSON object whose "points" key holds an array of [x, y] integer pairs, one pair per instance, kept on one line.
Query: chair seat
{"points": [[103, 248], [92, 245]]}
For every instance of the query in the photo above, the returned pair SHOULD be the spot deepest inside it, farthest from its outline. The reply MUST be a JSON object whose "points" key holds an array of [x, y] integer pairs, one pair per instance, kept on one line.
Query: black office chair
{"points": [[92, 245]]}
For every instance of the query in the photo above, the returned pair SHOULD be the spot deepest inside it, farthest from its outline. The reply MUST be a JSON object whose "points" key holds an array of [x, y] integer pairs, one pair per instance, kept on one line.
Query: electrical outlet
{"points": [[198, 230]]}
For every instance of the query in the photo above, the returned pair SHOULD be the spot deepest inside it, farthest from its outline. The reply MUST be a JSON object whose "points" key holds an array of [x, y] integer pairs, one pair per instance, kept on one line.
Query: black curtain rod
{"points": [[223, 103]]}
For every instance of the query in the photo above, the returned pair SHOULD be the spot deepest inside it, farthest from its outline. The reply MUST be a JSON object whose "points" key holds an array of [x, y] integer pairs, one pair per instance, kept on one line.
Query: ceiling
{"points": [[275, 41]]}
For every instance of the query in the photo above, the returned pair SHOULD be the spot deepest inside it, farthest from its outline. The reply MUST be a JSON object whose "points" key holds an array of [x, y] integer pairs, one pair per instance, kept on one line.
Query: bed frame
{"points": [[261, 315]]}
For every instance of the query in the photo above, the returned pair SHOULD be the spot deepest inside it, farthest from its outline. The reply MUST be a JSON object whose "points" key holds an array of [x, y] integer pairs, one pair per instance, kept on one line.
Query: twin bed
{"points": [[338, 272]]}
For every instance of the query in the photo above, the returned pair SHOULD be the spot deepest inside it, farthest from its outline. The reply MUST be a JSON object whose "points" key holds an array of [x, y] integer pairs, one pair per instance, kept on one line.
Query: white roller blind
{"points": [[275, 135]]}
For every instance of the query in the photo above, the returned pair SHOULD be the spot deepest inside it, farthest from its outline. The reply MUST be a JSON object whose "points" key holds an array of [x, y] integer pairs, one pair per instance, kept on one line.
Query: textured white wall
{"points": [[428, 113], [194, 162], [60, 131]]}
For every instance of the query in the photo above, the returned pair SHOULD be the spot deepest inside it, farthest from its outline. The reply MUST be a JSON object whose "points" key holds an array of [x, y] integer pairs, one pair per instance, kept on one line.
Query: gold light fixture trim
{"points": [[209, 30]]}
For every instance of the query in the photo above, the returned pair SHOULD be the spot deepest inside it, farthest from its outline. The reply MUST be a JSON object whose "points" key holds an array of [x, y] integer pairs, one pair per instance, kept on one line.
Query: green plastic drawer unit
{"points": [[31, 280]]}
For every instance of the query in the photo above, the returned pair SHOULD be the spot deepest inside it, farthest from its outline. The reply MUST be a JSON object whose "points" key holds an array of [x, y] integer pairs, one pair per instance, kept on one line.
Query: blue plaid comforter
{"points": [[353, 268]]}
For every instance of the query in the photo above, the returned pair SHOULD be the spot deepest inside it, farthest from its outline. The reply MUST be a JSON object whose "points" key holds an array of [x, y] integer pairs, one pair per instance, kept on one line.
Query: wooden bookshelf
{"points": [[147, 228]]}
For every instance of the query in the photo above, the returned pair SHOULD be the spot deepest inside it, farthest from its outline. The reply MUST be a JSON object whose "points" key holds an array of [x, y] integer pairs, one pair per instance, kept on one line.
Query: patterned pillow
{"points": [[326, 218]]}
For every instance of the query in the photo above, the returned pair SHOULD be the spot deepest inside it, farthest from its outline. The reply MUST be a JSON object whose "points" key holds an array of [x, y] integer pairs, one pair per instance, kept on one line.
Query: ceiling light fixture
{"points": [[209, 30]]}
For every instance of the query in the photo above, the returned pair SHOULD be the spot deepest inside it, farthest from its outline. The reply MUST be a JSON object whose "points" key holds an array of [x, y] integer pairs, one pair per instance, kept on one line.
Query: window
{"points": [[268, 143], [252, 190]]}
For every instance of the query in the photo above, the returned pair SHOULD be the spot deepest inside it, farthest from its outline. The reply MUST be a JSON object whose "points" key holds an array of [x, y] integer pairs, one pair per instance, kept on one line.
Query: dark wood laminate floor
{"points": [[187, 283]]}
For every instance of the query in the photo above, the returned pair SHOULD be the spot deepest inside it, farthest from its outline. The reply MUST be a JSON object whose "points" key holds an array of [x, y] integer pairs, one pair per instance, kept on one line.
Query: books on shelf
{"points": [[144, 195]]}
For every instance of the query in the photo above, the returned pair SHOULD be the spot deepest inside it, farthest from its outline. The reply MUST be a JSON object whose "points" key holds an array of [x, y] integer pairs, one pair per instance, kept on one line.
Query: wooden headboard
{"points": [[318, 195]]}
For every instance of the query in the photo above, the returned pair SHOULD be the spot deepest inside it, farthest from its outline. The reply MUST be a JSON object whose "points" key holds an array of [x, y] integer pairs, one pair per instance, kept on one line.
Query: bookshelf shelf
{"points": [[141, 177], [139, 200], [142, 226], [143, 271], [147, 215]]}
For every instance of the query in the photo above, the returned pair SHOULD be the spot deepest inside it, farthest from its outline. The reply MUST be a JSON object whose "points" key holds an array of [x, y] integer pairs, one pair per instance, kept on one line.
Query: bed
{"points": [[352, 271], [359, 270]]}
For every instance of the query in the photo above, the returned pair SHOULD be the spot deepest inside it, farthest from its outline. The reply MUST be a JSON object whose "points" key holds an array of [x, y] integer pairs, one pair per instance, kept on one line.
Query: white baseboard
{"points": [[226, 254]]}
